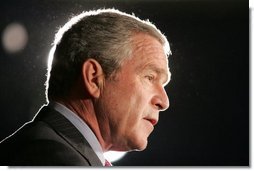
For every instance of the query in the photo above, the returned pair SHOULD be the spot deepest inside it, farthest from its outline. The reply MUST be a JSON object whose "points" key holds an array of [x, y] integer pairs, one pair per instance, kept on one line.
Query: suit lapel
{"points": [[69, 133]]}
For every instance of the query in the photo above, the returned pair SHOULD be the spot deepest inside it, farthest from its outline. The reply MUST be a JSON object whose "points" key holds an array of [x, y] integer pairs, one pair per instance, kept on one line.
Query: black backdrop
{"points": [[208, 120]]}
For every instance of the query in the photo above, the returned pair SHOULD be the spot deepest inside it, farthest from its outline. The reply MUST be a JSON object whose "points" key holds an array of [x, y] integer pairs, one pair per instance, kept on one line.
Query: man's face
{"points": [[131, 101]]}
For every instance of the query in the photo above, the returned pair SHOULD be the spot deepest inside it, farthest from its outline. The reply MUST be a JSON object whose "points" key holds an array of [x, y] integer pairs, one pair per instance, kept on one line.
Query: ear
{"points": [[93, 77]]}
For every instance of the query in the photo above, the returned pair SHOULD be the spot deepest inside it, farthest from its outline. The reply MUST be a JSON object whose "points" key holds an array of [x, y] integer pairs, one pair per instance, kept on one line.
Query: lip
{"points": [[152, 121]]}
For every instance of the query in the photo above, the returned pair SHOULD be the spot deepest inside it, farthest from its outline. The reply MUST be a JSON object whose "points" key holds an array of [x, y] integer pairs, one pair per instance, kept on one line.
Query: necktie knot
{"points": [[107, 163]]}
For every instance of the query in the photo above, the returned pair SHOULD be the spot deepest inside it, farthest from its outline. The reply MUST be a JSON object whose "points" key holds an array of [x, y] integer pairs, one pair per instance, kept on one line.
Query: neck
{"points": [[85, 110]]}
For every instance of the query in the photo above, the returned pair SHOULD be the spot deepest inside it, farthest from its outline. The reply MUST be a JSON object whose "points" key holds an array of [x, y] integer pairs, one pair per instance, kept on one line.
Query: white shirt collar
{"points": [[82, 127]]}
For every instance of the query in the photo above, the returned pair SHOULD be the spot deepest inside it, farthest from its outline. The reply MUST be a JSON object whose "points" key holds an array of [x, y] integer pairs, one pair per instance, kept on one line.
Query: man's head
{"points": [[120, 63]]}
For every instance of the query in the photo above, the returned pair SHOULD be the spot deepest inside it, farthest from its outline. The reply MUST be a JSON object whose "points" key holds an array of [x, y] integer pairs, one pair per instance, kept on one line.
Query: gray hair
{"points": [[104, 35]]}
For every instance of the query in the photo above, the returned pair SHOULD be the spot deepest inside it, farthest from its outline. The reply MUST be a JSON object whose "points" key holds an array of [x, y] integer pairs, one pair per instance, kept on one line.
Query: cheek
{"points": [[126, 109], [126, 106], [134, 108]]}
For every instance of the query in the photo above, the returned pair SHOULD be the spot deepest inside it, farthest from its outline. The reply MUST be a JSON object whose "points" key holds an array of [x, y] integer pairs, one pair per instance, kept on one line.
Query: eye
{"points": [[149, 77]]}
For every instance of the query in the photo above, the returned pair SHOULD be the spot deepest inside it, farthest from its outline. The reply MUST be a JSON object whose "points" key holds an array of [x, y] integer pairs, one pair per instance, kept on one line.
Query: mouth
{"points": [[152, 121]]}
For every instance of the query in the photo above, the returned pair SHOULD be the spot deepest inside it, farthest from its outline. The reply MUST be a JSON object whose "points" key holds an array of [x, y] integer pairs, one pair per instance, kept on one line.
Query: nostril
{"points": [[160, 101], [162, 105], [159, 106]]}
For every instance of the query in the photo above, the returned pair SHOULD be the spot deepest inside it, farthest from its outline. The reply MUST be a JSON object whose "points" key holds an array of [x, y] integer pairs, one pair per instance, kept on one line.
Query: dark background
{"points": [[207, 123]]}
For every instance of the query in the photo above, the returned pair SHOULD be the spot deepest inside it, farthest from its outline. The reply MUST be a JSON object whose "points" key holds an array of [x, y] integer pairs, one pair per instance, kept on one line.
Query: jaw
{"points": [[133, 140]]}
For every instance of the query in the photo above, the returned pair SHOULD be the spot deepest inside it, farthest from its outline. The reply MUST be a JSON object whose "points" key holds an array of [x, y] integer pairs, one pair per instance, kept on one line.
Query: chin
{"points": [[141, 146], [138, 145]]}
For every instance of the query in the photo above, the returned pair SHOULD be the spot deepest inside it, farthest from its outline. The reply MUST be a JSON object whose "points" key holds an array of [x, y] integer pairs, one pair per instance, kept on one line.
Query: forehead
{"points": [[144, 43], [148, 52], [148, 56]]}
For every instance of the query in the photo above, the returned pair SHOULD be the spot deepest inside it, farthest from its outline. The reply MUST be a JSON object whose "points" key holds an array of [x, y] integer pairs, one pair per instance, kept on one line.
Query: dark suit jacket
{"points": [[49, 140]]}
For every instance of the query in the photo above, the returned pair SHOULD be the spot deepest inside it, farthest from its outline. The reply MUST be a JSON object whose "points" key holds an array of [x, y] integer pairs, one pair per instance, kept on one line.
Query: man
{"points": [[106, 76]]}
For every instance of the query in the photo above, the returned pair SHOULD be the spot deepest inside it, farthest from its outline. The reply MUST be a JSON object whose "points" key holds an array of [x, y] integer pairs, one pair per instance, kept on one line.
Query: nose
{"points": [[160, 101]]}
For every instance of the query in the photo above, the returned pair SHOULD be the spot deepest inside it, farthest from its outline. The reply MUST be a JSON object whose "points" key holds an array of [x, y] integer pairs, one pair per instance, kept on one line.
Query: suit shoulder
{"points": [[36, 143], [42, 152], [31, 131]]}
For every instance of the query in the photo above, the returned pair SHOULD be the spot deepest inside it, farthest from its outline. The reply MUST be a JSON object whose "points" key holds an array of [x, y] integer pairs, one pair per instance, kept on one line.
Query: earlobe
{"points": [[93, 77]]}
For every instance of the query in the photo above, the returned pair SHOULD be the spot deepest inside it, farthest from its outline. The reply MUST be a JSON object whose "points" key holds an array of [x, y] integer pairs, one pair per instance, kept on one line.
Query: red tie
{"points": [[107, 163]]}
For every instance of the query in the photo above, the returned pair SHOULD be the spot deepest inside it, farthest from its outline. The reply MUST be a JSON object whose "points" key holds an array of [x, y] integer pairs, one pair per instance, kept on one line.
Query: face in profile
{"points": [[131, 102]]}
